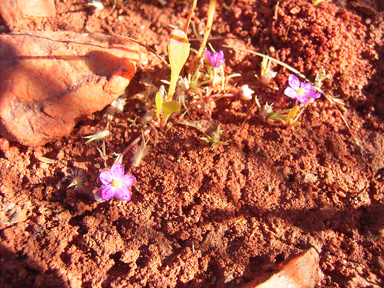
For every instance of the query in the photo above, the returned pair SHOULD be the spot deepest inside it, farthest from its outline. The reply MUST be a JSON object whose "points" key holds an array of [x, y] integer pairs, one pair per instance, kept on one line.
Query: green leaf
{"points": [[292, 113], [159, 103], [295, 123], [169, 108], [178, 52]]}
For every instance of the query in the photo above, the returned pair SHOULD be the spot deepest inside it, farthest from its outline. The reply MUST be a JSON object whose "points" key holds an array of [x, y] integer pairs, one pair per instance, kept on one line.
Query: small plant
{"points": [[103, 153], [320, 77], [77, 178], [215, 70], [178, 52], [266, 73], [286, 116], [117, 106], [116, 184], [140, 152], [168, 109], [215, 139]]}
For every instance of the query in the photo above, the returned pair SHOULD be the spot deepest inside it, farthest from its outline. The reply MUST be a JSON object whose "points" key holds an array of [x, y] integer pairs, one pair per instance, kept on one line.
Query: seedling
{"points": [[77, 178], [266, 74], [168, 109], [159, 99], [103, 153], [215, 139], [117, 106], [140, 153], [320, 77], [178, 52], [286, 115]]}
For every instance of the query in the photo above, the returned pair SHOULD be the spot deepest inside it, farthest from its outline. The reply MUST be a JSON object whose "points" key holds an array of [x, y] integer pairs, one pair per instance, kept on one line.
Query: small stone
{"points": [[295, 10], [4, 144], [302, 271]]}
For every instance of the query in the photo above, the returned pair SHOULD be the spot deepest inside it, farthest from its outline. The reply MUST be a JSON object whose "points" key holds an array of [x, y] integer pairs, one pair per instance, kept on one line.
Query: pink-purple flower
{"points": [[215, 59], [116, 183], [300, 91]]}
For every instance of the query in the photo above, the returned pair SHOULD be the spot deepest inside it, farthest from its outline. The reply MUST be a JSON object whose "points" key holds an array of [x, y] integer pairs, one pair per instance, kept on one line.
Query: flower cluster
{"points": [[116, 184], [215, 59], [300, 91]]}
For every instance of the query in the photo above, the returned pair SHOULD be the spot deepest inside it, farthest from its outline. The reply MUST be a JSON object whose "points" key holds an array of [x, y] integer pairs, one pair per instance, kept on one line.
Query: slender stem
{"points": [[190, 16], [211, 12], [134, 142]]}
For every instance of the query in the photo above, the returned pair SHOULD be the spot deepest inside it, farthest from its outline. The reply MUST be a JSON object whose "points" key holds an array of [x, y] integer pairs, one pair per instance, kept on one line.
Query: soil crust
{"points": [[213, 218]]}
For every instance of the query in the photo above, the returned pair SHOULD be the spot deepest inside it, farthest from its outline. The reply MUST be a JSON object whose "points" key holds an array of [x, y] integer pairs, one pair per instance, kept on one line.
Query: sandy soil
{"points": [[202, 218]]}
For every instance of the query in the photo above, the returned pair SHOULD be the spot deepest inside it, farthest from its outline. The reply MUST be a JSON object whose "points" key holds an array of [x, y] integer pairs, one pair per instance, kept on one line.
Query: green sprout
{"points": [[168, 109], [283, 116], [215, 139], [159, 99], [320, 77]]}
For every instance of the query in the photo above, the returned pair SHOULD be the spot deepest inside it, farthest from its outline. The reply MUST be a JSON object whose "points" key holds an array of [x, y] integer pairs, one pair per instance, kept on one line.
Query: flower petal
{"points": [[309, 91], [294, 82], [106, 177], [208, 54], [123, 193], [315, 95], [108, 192], [117, 170], [307, 88], [302, 99], [290, 92], [128, 180]]}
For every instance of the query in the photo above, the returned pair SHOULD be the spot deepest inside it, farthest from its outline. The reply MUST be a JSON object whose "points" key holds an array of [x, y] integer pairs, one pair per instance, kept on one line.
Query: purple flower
{"points": [[300, 91], [116, 184], [215, 59]]}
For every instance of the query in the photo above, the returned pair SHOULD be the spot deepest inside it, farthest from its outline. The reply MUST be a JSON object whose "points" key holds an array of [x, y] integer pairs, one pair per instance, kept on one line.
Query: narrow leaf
{"points": [[169, 108], [178, 51]]}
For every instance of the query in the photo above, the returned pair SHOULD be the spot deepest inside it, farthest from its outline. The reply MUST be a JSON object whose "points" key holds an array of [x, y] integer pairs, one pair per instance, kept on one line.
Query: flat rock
{"points": [[52, 79], [301, 272], [17, 13]]}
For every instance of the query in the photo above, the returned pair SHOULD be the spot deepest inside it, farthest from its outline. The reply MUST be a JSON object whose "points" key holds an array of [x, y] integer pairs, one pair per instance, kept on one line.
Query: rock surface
{"points": [[17, 13], [301, 272], [50, 80]]}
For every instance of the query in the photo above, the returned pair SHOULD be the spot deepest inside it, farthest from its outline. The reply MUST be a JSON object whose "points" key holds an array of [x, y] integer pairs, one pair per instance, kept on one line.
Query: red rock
{"points": [[301, 272], [37, 8], [17, 13], [50, 80]]}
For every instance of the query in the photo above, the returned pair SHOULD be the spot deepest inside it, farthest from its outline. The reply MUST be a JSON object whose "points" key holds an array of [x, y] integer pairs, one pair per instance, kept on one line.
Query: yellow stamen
{"points": [[300, 91], [115, 183]]}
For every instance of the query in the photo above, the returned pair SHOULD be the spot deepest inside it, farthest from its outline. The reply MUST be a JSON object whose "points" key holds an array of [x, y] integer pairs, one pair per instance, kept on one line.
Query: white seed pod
{"points": [[267, 110], [117, 106], [245, 93], [97, 136], [140, 153], [96, 4], [77, 178]]}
